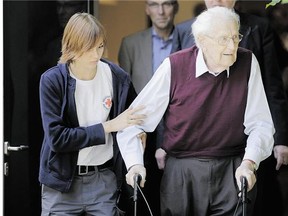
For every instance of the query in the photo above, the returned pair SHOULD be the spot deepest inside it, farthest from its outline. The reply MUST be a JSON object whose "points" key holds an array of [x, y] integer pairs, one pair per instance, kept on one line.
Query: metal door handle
{"points": [[8, 148]]}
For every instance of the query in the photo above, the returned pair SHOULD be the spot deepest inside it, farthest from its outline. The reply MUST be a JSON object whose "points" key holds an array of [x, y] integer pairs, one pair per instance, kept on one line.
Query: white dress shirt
{"points": [[155, 96]]}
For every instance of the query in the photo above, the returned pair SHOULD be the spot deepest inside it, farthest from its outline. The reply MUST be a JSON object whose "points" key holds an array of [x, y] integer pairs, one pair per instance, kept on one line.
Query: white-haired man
{"points": [[257, 37], [218, 125]]}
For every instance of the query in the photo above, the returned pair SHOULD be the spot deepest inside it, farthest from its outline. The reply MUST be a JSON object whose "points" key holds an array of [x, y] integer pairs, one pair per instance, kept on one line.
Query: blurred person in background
{"points": [[278, 15], [140, 54]]}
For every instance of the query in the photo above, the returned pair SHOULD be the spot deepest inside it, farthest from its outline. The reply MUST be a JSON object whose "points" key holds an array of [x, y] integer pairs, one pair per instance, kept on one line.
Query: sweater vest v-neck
{"points": [[205, 115]]}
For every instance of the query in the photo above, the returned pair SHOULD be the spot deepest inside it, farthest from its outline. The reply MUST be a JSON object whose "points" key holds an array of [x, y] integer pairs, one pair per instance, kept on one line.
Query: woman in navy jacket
{"points": [[82, 102]]}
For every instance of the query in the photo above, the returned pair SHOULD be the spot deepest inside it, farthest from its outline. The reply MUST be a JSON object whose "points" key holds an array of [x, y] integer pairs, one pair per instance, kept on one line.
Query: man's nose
{"points": [[231, 44], [160, 9]]}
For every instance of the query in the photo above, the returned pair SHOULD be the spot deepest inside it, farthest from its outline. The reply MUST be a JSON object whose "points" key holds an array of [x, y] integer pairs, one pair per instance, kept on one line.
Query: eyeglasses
{"points": [[224, 40], [165, 5]]}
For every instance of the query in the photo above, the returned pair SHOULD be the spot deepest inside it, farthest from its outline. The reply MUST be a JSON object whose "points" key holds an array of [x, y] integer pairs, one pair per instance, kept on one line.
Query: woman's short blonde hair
{"points": [[81, 34]]}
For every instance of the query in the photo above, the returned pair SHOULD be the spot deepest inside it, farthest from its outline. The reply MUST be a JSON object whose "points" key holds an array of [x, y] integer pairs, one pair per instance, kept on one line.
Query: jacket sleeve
{"points": [[60, 133]]}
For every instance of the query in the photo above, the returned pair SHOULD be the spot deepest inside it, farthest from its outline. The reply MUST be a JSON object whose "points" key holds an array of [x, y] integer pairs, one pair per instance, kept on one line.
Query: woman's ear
{"points": [[76, 56]]}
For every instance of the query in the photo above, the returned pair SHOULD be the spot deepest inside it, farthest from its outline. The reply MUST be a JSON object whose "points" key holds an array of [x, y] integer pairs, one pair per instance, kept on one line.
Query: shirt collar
{"points": [[154, 34], [201, 66]]}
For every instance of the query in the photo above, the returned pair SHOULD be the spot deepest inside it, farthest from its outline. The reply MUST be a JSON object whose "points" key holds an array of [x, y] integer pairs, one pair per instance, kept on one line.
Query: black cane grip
{"points": [[137, 179], [244, 186]]}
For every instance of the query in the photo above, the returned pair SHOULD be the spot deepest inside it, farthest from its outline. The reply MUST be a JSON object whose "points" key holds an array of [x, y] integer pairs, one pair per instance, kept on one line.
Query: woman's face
{"points": [[91, 57]]}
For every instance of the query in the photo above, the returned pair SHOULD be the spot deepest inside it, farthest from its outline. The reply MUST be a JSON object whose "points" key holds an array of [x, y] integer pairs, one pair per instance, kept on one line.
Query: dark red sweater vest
{"points": [[205, 115]]}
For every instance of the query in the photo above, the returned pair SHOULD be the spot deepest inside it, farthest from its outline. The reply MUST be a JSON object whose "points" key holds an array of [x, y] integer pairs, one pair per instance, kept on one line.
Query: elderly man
{"points": [[257, 37], [218, 126]]}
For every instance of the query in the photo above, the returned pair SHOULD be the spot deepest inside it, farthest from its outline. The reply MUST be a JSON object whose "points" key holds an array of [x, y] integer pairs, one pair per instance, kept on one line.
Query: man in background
{"points": [[140, 55], [278, 15], [65, 9]]}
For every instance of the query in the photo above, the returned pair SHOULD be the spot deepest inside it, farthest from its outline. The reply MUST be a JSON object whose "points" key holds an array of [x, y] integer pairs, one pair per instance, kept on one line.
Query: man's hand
{"points": [[246, 169], [281, 155], [160, 156], [136, 169]]}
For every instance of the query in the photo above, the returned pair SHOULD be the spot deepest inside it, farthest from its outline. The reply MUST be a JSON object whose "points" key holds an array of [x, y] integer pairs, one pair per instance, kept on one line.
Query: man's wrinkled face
{"points": [[223, 3], [220, 47]]}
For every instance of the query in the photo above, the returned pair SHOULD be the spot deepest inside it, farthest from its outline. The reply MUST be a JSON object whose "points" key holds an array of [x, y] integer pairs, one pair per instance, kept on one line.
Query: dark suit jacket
{"points": [[135, 57], [259, 38]]}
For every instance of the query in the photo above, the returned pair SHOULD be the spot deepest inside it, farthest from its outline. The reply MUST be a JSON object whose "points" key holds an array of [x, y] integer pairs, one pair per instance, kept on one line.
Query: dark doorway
{"points": [[32, 37]]}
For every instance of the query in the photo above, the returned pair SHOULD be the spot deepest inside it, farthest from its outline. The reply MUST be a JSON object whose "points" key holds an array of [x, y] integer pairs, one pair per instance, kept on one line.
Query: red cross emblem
{"points": [[107, 102]]}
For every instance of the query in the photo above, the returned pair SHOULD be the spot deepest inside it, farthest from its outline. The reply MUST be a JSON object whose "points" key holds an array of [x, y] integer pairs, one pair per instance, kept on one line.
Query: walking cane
{"points": [[244, 195], [137, 179]]}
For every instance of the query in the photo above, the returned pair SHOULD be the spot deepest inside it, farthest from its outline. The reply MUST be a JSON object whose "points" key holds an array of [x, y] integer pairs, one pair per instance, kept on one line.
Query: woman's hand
{"points": [[127, 118]]}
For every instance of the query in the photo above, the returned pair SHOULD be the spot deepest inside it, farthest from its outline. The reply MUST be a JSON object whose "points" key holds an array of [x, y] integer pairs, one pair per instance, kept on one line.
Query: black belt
{"points": [[83, 170], [107, 164]]}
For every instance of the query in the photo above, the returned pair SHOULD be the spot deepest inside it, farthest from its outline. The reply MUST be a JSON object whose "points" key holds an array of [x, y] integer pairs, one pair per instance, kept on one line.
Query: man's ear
{"points": [[176, 8], [147, 9], [201, 41]]}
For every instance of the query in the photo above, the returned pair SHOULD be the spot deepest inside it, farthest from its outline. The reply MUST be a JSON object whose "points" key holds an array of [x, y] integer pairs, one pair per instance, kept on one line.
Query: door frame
{"points": [[1, 110], [2, 157]]}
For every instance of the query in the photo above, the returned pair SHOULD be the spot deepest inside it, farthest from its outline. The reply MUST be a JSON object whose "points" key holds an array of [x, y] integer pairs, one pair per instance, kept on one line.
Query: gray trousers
{"points": [[91, 194], [202, 187]]}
